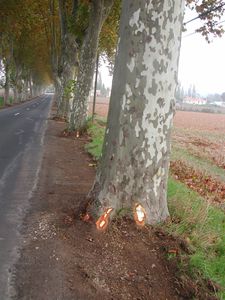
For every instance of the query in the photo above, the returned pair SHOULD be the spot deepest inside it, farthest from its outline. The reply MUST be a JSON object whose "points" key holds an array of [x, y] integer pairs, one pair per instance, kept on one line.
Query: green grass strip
{"points": [[1, 101], [199, 163], [96, 131], [202, 225]]}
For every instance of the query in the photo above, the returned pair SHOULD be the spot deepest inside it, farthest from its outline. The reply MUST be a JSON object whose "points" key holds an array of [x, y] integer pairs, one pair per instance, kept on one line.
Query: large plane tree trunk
{"points": [[78, 108], [135, 162]]}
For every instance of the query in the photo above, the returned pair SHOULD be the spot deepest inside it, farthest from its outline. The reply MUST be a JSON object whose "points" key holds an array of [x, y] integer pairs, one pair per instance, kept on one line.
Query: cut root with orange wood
{"points": [[139, 214], [103, 221]]}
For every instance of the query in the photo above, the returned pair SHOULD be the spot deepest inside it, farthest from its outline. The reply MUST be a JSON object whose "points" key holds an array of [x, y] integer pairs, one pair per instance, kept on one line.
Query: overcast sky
{"points": [[201, 64]]}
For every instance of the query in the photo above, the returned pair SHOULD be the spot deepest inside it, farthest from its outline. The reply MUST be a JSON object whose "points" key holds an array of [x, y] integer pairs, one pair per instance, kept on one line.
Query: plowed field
{"points": [[183, 119]]}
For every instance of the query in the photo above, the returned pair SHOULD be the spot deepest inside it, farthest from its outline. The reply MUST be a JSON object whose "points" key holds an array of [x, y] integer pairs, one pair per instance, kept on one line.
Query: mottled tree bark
{"points": [[18, 84], [78, 108], [14, 82], [7, 83], [15, 94], [6, 93], [134, 166], [31, 86], [67, 63], [66, 74]]}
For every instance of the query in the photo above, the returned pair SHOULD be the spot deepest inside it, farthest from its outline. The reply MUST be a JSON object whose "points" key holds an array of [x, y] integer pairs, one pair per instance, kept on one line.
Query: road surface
{"points": [[22, 131]]}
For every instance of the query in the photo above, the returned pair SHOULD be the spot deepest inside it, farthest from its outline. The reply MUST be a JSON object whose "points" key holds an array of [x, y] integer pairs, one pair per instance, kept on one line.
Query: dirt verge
{"points": [[66, 258]]}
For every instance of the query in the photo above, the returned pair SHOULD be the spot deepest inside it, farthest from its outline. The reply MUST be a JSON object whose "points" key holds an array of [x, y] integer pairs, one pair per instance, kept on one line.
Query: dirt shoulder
{"points": [[66, 258]]}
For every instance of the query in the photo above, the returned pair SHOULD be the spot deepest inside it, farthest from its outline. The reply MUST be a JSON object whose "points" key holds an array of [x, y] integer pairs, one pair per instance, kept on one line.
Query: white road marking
{"points": [[16, 114], [28, 108]]}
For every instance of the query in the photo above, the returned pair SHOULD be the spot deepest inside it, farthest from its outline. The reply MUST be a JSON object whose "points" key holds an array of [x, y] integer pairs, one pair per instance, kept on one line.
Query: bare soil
{"points": [[202, 147], [183, 119], [64, 257], [101, 106], [200, 121], [201, 135], [207, 186], [194, 121]]}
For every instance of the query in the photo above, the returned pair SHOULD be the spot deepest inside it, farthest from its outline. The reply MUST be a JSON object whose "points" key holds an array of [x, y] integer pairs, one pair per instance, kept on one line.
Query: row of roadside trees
{"points": [[57, 41]]}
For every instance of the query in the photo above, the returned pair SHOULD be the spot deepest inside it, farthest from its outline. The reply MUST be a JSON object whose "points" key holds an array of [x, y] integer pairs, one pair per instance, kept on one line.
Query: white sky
{"points": [[107, 80], [201, 64]]}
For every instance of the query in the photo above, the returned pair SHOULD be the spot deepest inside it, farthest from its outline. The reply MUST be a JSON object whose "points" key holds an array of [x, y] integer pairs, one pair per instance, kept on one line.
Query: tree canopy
{"points": [[35, 34]]}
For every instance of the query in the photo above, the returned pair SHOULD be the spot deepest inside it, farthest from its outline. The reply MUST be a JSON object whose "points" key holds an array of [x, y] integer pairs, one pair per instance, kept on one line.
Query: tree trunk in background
{"points": [[26, 94], [67, 75], [18, 85], [31, 86], [134, 166], [95, 87], [78, 108], [14, 77], [7, 83], [56, 85], [54, 51], [23, 90], [6, 93], [15, 94], [67, 63]]}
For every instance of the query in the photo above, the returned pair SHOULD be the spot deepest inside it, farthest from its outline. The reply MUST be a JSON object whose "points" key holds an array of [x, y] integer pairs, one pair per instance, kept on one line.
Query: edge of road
{"points": [[17, 104], [16, 249]]}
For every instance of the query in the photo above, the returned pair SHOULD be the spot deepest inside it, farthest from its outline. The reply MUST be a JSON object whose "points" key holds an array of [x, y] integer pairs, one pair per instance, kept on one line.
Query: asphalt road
{"points": [[22, 131]]}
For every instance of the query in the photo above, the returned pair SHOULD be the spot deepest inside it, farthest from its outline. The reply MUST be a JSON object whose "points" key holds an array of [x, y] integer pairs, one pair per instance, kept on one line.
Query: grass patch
{"points": [[96, 131], [193, 219], [10, 100], [203, 226], [1, 101]]}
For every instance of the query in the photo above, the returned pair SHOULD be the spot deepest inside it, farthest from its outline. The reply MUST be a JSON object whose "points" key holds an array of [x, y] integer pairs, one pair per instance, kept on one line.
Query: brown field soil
{"points": [[200, 121], [207, 186], [64, 257], [202, 136], [201, 146], [101, 107], [199, 139], [192, 121], [183, 119]]}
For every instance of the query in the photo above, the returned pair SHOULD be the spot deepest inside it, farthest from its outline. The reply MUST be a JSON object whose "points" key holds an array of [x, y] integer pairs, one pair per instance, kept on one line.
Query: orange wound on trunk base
{"points": [[139, 215], [103, 221]]}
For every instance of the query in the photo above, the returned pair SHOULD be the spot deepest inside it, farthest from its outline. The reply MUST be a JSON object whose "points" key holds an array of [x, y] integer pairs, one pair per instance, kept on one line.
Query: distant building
{"points": [[219, 103], [195, 101]]}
